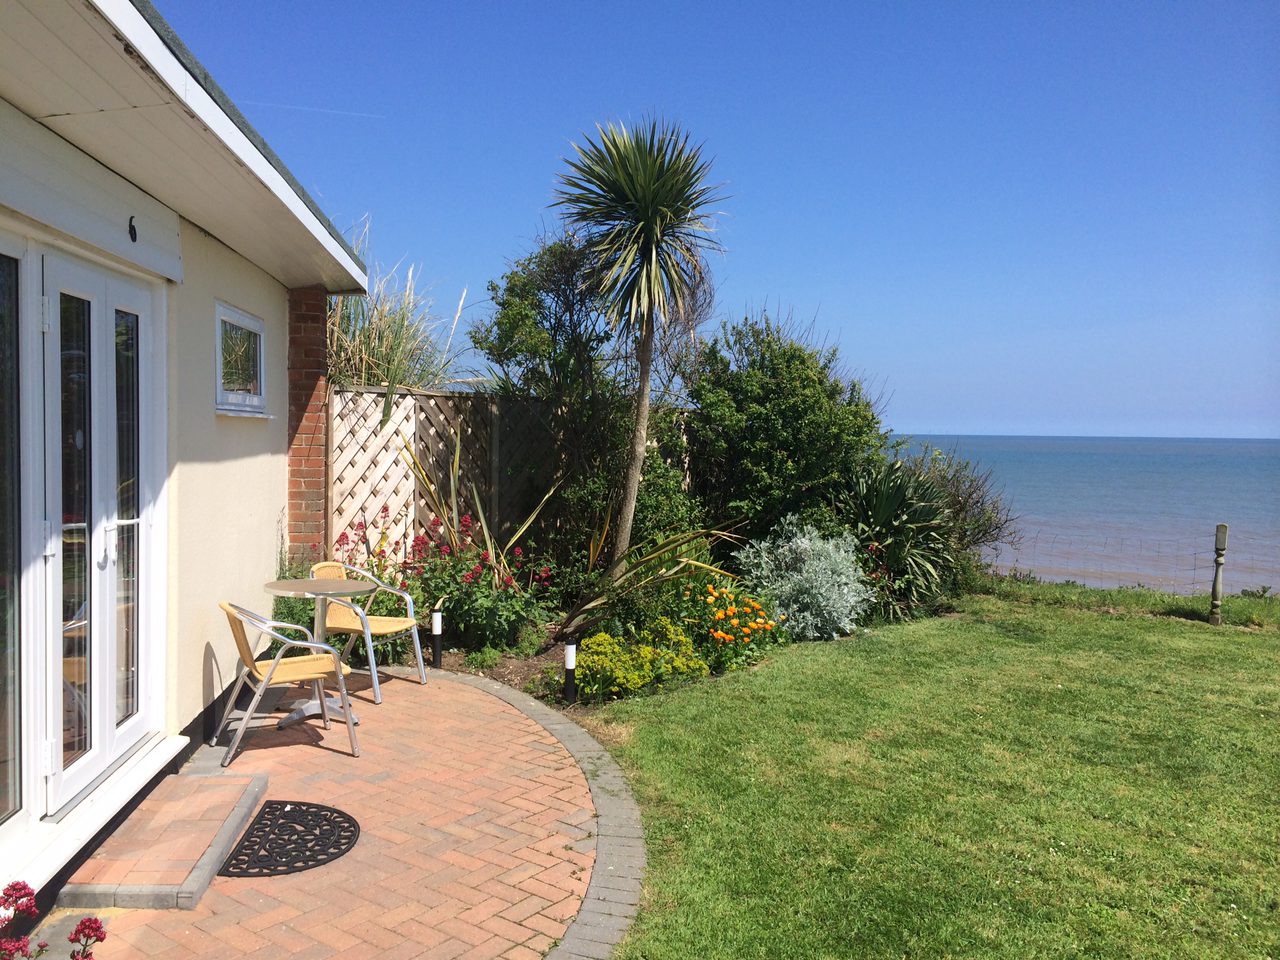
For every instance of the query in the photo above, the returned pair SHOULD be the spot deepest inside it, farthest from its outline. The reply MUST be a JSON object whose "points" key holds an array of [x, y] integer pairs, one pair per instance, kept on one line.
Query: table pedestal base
{"points": [[312, 709]]}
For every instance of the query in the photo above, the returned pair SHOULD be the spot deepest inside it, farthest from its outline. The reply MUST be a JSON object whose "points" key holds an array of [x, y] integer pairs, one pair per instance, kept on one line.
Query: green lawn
{"points": [[1024, 778]]}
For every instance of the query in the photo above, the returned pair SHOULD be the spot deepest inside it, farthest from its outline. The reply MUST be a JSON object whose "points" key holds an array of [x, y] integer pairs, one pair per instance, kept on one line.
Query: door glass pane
{"points": [[127, 515], [9, 565], [77, 527]]}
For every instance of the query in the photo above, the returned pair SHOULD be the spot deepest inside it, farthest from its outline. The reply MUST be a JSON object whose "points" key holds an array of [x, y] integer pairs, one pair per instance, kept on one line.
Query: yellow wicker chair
{"points": [[346, 617], [323, 663]]}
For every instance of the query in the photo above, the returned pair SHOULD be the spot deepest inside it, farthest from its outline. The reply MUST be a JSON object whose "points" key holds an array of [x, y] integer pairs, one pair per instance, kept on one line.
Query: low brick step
{"points": [[169, 849]]}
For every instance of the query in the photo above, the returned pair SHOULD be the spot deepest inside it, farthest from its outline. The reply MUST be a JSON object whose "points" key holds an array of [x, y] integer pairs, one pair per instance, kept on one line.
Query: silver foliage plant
{"points": [[814, 579]]}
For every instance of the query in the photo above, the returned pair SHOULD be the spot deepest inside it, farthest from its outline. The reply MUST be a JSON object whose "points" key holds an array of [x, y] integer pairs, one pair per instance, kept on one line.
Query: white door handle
{"points": [[111, 544]]}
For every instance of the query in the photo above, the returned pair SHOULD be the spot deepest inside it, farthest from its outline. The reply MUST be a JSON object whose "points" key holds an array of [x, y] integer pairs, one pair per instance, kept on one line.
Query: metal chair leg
{"points": [[231, 705], [317, 687], [244, 723], [373, 668], [346, 709], [417, 651]]}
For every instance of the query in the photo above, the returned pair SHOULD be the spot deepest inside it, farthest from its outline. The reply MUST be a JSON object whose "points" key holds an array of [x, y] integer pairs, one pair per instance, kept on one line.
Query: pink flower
{"points": [[90, 928], [518, 552], [88, 932], [343, 539], [20, 899]]}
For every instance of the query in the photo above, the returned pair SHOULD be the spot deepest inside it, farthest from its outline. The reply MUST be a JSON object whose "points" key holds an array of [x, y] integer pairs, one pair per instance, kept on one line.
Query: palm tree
{"points": [[643, 199]]}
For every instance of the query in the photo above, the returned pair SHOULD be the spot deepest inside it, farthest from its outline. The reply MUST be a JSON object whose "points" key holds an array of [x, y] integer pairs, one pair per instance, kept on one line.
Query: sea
{"points": [[1126, 511]]}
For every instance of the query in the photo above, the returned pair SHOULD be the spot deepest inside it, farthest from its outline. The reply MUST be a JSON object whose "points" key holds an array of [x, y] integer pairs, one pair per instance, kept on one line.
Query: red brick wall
{"points": [[308, 425]]}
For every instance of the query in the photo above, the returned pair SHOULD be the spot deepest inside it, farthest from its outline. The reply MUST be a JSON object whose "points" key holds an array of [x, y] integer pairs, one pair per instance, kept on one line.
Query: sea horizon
{"points": [[1124, 511], [1074, 436]]}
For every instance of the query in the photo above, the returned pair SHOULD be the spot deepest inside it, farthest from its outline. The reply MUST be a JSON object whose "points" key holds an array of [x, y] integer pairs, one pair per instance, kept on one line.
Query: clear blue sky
{"points": [[1013, 218]]}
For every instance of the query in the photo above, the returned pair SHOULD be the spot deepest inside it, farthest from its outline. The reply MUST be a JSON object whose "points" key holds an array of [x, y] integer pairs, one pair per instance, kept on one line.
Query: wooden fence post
{"points": [[495, 469], [1219, 558]]}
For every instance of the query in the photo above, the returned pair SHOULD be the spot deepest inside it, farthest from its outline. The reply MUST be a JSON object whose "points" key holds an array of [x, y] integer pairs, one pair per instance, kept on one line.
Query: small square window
{"points": [[240, 361]]}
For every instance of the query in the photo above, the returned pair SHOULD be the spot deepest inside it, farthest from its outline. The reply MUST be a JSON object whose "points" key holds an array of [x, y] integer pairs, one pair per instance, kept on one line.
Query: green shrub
{"points": [[980, 519], [775, 429], [903, 526], [530, 639], [815, 581], [663, 506], [486, 658], [610, 667]]}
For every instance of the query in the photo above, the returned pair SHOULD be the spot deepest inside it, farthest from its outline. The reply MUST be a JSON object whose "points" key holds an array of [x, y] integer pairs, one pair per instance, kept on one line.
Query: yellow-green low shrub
{"points": [[611, 667]]}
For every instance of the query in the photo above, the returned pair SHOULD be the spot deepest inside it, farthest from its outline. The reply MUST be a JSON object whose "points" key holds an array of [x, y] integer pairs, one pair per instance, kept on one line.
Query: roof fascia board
{"points": [[138, 31]]}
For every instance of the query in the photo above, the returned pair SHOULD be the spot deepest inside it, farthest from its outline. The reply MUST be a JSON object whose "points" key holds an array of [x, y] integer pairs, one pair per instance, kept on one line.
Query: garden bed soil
{"points": [[514, 671]]}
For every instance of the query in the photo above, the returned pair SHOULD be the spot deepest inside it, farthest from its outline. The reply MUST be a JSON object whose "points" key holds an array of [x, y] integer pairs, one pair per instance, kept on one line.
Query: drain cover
{"points": [[287, 836]]}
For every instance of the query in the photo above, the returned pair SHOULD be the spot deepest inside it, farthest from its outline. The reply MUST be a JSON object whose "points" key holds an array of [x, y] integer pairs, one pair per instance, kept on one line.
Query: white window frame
{"points": [[238, 401]]}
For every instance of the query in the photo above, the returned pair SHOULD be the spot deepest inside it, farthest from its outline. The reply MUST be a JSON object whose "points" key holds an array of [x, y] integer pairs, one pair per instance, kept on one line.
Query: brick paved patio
{"points": [[477, 840]]}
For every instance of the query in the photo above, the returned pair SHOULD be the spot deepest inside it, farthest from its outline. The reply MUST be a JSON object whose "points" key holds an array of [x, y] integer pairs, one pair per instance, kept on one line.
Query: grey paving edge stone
{"points": [[224, 840], [168, 896], [613, 893], [147, 896]]}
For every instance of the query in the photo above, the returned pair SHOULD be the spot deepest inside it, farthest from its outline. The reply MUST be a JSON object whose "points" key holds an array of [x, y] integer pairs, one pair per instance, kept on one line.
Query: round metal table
{"points": [[320, 591]]}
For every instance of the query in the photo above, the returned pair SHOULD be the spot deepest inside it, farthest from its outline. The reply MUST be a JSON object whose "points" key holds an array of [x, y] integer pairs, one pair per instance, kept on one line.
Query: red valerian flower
{"points": [[484, 557], [508, 580], [343, 539], [19, 899], [444, 550], [518, 552], [88, 932], [436, 523]]}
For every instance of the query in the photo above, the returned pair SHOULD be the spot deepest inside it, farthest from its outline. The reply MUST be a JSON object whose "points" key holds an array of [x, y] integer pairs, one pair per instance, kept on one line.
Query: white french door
{"points": [[94, 327]]}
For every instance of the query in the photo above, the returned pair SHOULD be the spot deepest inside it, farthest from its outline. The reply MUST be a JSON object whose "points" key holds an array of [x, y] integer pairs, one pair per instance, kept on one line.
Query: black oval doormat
{"points": [[287, 836]]}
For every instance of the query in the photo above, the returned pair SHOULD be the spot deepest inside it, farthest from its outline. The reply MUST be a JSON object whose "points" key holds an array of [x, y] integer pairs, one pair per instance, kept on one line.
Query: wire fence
{"points": [[1176, 565]]}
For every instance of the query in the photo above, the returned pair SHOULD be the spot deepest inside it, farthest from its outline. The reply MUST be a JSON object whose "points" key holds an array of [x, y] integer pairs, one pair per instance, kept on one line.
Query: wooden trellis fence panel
{"points": [[443, 419], [506, 457], [367, 471]]}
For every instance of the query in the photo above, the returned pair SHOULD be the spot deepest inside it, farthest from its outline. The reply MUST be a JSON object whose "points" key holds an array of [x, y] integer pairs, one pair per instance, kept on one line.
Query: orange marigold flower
{"points": [[719, 614], [734, 621]]}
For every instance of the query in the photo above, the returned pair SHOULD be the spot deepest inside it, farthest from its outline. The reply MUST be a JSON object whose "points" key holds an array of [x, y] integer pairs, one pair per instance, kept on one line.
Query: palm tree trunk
{"points": [[635, 458]]}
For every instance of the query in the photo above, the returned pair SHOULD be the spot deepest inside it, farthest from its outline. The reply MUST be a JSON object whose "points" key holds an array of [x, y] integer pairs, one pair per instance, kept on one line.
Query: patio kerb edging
{"points": [[613, 893]]}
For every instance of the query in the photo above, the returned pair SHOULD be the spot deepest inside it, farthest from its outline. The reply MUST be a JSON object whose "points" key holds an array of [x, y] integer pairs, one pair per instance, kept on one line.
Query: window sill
{"points": [[243, 414]]}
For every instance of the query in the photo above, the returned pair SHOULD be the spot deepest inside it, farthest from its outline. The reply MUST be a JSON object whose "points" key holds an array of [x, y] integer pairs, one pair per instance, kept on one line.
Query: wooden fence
{"points": [[507, 458]]}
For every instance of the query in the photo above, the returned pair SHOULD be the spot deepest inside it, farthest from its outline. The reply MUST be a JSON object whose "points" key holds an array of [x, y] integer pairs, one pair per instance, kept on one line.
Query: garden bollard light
{"points": [[437, 633], [570, 672]]}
